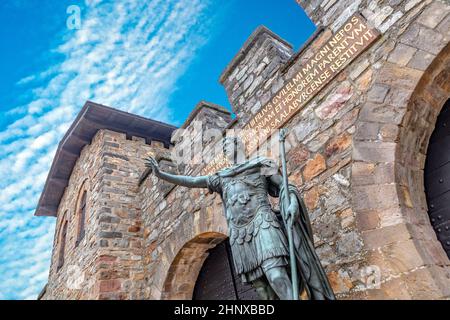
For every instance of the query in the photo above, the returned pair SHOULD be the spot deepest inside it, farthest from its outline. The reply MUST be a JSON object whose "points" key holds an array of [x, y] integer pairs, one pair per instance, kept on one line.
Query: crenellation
{"points": [[259, 60]]}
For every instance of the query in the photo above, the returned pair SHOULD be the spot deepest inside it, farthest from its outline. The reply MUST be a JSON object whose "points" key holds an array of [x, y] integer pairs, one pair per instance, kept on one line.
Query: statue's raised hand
{"points": [[151, 163]]}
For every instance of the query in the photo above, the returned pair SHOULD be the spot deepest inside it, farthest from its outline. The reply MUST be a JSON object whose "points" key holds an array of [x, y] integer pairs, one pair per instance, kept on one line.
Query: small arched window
{"points": [[62, 245], [81, 217]]}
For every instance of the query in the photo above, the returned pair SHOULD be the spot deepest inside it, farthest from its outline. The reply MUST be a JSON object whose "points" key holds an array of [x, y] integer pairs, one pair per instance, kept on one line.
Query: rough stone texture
{"points": [[356, 151], [204, 125], [253, 71], [109, 255]]}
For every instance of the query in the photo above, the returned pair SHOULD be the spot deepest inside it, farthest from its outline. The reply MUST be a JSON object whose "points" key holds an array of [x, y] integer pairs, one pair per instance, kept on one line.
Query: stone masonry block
{"points": [[378, 238], [402, 54], [374, 152], [434, 14], [423, 38], [381, 196], [314, 167]]}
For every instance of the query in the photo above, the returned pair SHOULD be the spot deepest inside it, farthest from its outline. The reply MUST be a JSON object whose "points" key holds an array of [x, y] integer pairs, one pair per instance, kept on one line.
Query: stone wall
{"points": [[356, 125], [109, 258], [120, 271], [356, 206], [86, 173], [181, 225], [356, 151]]}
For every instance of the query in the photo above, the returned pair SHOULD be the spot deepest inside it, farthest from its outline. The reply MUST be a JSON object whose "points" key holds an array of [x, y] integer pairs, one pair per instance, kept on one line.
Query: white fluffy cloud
{"points": [[128, 54]]}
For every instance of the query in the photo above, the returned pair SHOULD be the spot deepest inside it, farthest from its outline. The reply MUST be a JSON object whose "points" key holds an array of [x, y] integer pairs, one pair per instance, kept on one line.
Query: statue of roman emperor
{"points": [[257, 232]]}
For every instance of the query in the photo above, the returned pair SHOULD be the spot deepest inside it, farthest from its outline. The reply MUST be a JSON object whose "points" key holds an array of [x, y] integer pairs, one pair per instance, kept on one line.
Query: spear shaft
{"points": [[288, 224]]}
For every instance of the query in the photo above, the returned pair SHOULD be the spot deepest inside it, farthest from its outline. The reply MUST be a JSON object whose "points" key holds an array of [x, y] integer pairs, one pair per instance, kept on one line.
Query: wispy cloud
{"points": [[128, 54]]}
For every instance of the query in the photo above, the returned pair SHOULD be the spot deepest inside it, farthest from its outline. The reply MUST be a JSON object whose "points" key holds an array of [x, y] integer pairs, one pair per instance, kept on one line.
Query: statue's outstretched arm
{"points": [[185, 181]]}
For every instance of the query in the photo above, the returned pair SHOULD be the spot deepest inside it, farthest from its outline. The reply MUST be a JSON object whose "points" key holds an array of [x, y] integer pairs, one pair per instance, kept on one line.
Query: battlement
{"points": [[258, 61], [92, 118]]}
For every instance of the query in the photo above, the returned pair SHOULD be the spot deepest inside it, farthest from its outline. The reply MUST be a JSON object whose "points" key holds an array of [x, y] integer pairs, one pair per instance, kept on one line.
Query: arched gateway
{"points": [[203, 270], [185, 268]]}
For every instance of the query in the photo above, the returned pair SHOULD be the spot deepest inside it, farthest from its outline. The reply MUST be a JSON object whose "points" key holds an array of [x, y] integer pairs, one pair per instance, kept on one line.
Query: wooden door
{"points": [[437, 178], [217, 279]]}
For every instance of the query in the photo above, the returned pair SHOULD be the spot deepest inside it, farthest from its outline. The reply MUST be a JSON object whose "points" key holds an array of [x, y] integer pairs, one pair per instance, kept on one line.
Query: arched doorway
{"points": [[388, 181], [217, 279], [437, 178], [185, 267]]}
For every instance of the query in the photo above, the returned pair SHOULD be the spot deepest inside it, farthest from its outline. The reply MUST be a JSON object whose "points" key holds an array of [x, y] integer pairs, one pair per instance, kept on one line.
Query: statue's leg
{"points": [[280, 282], [264, 290]]}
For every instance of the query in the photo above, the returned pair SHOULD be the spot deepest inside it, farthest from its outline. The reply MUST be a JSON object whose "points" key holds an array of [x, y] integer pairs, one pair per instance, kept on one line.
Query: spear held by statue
{"points": [[288, 222]]}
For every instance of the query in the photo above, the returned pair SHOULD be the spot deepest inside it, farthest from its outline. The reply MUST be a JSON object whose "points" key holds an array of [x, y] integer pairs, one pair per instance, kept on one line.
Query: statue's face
{"points": [[232, 148], [229, 149]]}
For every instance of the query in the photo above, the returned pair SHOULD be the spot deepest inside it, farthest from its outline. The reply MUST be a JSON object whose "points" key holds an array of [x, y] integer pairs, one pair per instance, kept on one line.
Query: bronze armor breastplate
{"points": [[245, 195]]}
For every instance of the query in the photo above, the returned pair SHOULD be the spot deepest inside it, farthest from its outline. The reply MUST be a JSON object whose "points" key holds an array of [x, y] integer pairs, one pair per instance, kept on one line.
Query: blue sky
{"points": [[154, 58]]}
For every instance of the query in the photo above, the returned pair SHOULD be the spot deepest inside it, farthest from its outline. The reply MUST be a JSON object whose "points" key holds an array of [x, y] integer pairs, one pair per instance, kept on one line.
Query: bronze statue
{"points": [[265, 243]]}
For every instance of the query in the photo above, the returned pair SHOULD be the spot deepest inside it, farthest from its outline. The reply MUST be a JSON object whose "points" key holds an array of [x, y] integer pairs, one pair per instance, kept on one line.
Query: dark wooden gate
{"points": [[217, 279], [437, 178]]}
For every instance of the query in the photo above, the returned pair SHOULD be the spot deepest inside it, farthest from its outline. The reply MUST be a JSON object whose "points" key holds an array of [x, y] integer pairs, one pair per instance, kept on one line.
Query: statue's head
{"points": [[232, 148]]}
